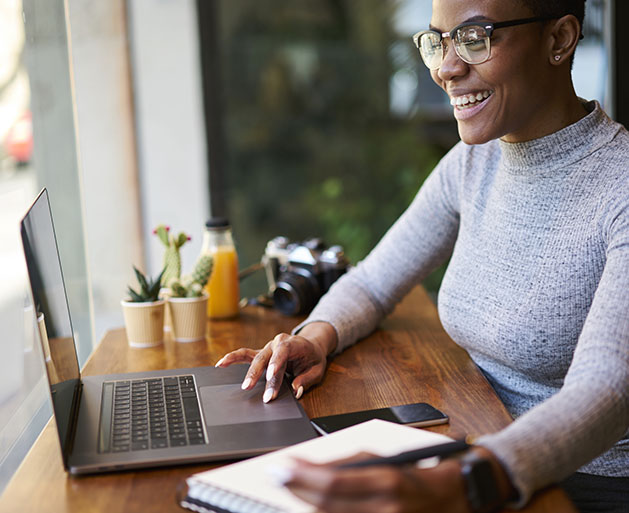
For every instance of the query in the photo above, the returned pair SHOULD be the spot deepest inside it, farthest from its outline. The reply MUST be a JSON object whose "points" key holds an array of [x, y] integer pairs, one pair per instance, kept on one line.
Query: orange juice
{"points": [[223, 284]]}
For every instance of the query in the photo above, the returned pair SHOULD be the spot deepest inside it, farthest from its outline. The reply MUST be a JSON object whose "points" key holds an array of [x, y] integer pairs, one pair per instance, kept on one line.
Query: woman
{"points": [[533, 205]]}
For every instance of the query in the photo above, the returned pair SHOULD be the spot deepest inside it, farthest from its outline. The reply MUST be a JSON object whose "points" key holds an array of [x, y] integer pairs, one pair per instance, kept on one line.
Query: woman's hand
{"points": [[390, 489], [380, 489], [303, 355]]}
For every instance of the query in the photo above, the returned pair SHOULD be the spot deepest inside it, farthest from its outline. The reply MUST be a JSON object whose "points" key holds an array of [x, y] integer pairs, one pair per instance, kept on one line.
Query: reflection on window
{"points": [[590, 72], [37, 149], [329, 122], [22, 390]]}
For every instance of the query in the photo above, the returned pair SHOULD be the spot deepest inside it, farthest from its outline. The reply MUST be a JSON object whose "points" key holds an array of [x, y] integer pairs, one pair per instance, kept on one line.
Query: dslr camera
{"points": [[298, 274]]}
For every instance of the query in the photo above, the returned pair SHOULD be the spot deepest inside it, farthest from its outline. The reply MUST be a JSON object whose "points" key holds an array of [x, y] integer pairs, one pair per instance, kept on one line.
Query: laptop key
{"points": [[104, 439], [191, 407], [155, 413]]}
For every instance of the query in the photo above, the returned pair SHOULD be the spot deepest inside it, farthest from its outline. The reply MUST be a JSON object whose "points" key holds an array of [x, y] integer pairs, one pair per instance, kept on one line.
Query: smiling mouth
{"points": [[470, 100]]}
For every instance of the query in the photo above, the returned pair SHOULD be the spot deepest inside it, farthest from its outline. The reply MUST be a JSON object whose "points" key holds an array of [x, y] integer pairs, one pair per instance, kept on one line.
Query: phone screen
{"points": [[417, 414]]}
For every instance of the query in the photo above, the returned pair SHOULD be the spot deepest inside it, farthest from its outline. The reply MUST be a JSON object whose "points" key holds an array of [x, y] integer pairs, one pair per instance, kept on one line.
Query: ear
{"points": [[564, 36]]}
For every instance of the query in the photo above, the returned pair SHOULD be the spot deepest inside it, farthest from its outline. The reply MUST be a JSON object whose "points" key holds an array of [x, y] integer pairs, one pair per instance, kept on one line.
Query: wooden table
{"points": [[410, 359]]}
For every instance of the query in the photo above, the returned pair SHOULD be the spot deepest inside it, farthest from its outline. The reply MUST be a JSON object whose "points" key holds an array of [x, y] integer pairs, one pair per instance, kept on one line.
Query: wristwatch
{"points": [[480, 486]]}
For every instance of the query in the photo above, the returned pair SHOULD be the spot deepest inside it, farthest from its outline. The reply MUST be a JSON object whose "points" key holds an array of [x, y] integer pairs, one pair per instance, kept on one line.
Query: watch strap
{"points": [[480, 485]]}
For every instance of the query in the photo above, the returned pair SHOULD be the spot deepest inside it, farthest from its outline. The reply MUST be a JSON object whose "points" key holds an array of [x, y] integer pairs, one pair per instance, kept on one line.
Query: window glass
{"points": [[591, 64], [328, 121], [37, 149]]}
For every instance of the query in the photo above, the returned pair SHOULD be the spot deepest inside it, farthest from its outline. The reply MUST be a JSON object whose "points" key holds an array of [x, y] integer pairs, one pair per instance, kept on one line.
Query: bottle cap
{"points": [[217, 223]]}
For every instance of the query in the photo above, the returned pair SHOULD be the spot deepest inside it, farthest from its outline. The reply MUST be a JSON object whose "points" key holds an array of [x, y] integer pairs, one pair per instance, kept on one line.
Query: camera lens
{"points": [[296, 293]]}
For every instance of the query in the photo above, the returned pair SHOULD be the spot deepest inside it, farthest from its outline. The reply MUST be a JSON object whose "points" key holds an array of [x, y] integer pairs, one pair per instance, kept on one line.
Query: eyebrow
{"points": [[478, 17]]}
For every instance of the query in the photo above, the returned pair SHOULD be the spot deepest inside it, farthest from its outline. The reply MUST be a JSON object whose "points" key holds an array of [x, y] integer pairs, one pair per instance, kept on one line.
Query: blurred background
{"points": [[291, 117], [322, 119]]}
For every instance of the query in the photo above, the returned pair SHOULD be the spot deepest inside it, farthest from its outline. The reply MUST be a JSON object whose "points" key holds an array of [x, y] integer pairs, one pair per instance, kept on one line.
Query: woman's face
{"points": [[515, 80]]}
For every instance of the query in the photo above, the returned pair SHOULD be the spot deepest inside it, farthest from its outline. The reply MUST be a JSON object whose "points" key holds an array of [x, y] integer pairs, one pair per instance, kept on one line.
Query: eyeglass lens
{"points": [[471, 44]]}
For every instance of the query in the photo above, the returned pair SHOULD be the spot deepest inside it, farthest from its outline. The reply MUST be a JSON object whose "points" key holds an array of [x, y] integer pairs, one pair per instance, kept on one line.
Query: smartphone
{"points": [[417, 415]]}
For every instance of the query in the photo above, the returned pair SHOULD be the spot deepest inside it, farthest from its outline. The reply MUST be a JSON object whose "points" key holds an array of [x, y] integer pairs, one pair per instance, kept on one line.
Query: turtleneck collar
{"points": [[562, 148]]}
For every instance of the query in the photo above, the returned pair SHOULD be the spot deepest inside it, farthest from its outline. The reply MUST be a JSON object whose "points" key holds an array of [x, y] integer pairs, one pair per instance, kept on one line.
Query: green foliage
{"points": [[311, 144], [192, 285], [177, 288], [202, 270], [172, 256], [149, 289]]}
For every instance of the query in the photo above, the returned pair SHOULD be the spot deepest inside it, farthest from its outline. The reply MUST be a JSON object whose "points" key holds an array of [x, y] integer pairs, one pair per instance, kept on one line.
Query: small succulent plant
{"points": [[149, 289], [172, 257], [191, 285]]}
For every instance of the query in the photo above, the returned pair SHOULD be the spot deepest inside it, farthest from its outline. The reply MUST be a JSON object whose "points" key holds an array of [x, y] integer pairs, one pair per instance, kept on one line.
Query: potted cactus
{"points": [[172, 262], [187, 302], [172, 255], [144, 312]]}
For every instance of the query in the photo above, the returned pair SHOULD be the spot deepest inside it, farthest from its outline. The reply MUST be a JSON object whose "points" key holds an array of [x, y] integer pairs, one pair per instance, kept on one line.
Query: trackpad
{"points": [[229, 404]]}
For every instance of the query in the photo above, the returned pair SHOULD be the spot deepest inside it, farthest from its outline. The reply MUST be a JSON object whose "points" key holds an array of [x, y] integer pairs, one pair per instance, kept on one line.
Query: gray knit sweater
{"points": [[537, 290]]}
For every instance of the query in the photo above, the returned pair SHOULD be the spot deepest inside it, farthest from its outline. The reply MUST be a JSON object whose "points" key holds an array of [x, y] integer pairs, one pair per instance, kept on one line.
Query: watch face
{"points": [[482, 491]]}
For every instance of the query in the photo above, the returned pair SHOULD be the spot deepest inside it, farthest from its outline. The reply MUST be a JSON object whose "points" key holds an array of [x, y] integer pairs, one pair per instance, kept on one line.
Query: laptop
{"points": [[143, 419]]}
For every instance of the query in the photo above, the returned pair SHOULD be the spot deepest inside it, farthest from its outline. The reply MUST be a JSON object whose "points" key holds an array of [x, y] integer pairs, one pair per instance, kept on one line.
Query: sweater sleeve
{"points": [[591, 411], [418, 242]]}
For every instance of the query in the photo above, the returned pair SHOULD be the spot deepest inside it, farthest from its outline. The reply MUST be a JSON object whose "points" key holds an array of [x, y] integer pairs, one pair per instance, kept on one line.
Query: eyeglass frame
{"points": [[489, 28]]}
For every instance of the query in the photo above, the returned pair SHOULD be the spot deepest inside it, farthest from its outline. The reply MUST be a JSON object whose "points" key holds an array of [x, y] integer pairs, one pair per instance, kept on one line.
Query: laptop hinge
{"points": [[74, 415]]}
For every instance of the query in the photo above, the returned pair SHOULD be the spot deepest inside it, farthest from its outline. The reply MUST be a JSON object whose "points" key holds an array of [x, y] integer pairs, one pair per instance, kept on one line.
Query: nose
{"points": [[452, 65]]}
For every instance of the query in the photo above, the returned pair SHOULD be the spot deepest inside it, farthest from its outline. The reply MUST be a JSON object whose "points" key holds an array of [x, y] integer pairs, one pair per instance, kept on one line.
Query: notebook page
{"points": [[252, 478]]}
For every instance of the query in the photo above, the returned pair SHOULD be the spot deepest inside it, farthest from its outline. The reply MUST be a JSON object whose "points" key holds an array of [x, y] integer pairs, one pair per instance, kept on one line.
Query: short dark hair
{"points": [[557, 8]]}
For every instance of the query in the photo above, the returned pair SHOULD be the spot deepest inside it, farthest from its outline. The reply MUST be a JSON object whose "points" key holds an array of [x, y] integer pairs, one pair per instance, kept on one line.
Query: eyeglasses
{"points": [[471, 41]]}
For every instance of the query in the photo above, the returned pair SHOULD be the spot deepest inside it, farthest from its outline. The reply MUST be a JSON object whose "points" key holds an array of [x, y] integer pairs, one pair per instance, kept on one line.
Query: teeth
{"points": [[470, 99]]}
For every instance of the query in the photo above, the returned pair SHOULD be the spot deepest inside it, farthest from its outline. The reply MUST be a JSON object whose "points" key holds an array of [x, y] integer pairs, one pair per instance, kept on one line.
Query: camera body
{"points": [[298, 274]]}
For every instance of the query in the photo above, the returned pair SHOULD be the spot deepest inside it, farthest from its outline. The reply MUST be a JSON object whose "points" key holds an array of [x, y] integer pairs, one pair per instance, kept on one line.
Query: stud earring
{"points": [[557, 57]]}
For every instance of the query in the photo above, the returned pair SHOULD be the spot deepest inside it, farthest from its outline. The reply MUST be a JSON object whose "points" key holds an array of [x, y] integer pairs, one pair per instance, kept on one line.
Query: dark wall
{"points": [[621, 61]]}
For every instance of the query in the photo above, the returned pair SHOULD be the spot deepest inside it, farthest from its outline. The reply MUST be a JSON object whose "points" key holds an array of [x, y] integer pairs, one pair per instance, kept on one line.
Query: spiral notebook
{"points": [[249, 486]]}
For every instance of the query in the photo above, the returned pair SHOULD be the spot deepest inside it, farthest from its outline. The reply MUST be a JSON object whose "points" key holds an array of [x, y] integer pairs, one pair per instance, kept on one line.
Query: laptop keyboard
{"points": [[152, 413]]}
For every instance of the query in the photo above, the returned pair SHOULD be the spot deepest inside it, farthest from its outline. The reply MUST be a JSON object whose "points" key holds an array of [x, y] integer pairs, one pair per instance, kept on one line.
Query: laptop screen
{"points": [[53, 315]]}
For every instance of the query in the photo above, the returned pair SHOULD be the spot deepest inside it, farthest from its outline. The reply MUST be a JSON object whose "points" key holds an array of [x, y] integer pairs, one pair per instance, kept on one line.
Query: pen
{"points": [[413, 456]]}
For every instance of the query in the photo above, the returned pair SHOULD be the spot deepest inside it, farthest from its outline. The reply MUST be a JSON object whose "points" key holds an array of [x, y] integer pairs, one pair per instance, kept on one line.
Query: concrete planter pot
{"points": [[188, 317], [144, 323]]}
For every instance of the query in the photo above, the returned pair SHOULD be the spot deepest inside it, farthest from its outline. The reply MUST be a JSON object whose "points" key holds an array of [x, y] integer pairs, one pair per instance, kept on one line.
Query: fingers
{"points": [[277, 366], [365, 504], [256, 369], [328, 480], [257, 358], [330, 489], [242, 355], [307, 362], [308, 379]]}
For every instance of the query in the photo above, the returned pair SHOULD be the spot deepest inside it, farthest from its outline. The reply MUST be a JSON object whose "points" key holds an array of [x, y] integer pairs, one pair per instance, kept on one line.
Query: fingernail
{"points": [[270, 372], [300, 391], [246, 383], [268, 393], [218, 364]]}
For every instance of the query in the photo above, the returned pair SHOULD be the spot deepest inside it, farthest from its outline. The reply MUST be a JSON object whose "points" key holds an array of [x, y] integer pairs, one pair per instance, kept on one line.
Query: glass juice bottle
{"points": [[223, 284]]}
